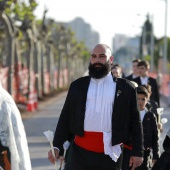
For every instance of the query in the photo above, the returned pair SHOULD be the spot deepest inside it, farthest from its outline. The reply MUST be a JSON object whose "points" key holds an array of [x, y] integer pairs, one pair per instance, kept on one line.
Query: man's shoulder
{"points": [[136, 78], [81, 80], [150, 114], [125, 82], [129, 76], [153, 103], [152, 79], [122, 80]]}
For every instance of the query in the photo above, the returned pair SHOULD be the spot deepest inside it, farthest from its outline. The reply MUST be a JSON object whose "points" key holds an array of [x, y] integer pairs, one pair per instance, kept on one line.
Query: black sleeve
{"points": [[62, 133], [155, 138]]}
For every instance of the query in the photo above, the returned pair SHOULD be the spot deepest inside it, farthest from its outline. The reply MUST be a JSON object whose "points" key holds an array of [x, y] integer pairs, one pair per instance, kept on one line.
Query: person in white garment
{"points": [[100, 112], [12, 134]]}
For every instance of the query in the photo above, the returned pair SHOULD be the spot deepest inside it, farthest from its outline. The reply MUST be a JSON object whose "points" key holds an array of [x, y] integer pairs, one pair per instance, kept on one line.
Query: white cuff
{"points": [[56, 148]]}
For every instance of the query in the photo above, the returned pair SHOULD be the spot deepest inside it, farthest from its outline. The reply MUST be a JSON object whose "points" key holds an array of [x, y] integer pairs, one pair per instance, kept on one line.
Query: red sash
{"points": [[129, 147], [91, 141]]}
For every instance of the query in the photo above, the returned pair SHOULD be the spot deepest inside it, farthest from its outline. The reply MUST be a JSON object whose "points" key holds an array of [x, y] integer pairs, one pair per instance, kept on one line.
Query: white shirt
{"points": [[142, 114], [98, 115], [134, 76], [144, 80], [99, 104]]}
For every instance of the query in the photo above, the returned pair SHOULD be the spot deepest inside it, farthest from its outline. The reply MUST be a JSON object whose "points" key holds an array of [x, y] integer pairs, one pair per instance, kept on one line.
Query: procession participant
{"points": [[143, 70], [93, 113], [13, 143], [134, 70], [116, 71], [153, 106], [150, 132]]}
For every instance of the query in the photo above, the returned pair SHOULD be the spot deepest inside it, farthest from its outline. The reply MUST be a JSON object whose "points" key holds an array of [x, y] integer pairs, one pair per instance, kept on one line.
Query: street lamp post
{"points": [[152, 44], [165, 39], [144, 51]]}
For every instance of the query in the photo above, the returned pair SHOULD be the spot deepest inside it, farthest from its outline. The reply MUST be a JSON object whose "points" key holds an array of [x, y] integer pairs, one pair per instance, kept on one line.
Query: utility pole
{"points": [[144, 50], [165, 39], [152, 44]]}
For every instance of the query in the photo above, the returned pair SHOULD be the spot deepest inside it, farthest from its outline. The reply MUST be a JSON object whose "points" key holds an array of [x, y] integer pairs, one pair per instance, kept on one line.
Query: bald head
{"points": [[102, 48], [100, 61]]}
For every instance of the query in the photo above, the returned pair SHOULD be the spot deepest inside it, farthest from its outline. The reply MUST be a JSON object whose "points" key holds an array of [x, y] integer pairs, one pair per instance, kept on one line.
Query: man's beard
{"points": [[99, 72]]}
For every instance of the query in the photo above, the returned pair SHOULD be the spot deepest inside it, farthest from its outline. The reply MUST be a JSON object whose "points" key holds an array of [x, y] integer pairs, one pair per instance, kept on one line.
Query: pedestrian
{"points": [[14, 154], [163, 162], [153, 106], [150, 130], [144, 78], [135, 73], [100, 111], [116, 71]]}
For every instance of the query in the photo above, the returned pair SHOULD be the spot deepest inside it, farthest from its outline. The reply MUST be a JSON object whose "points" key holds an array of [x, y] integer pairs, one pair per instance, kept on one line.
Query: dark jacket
{"points": [[152, 82], [130, 77], [152, 106], [125, 116], [150, 132]]}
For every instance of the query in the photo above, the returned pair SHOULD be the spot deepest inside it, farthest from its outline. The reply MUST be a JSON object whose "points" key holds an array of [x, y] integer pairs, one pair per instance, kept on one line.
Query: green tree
{"points": [[19, 11]]}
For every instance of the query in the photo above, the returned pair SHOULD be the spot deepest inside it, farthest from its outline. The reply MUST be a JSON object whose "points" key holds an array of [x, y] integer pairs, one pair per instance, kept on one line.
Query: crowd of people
{"points": [[111, 121]]}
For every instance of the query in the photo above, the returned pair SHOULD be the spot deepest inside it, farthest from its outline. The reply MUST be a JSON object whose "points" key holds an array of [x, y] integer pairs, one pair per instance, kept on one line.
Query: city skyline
{"points": [[109, 17]]}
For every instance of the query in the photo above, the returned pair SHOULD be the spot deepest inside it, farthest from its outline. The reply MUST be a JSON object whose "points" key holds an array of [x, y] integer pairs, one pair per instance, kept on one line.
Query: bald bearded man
{"points": [[100, 111]]}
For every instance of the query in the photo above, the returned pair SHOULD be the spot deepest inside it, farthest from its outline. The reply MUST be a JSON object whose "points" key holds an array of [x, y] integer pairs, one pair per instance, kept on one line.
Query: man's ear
{"points": [[111, 59]]}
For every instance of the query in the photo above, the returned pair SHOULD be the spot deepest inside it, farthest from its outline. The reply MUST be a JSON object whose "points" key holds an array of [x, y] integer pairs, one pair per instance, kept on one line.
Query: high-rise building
{"points": [[84, 32]]}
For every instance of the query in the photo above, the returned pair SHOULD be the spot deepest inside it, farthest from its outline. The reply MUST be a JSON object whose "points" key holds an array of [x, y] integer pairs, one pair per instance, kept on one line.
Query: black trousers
{"points": [[82, 159]]}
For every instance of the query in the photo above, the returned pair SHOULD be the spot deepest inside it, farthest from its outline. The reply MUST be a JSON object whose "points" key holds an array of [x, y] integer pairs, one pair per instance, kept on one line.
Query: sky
{"points": [[109, 17]]}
